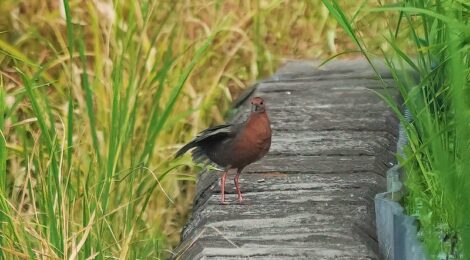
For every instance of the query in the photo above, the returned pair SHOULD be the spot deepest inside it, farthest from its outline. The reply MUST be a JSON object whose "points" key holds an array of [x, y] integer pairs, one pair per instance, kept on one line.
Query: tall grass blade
{"points": [[52, 191], [3, 143], [3, 169], [71, 48], [460, 188], [176, 90], [89, 101], [340, 16]]}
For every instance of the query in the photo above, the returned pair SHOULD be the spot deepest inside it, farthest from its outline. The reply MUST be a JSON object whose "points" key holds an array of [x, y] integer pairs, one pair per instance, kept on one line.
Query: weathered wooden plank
{"points": [[311, 196], [306, 165], [295, 106], [295, 119], [268, 252], [269, 181], [293, 93], [319, 164], [333, 142], [278, 181], [310, 70], [286, 211], [338, 85]]}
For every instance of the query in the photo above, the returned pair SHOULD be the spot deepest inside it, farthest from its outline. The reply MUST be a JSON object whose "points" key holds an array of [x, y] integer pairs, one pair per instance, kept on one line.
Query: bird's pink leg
{"points": [[222, 187], [237, 187]]}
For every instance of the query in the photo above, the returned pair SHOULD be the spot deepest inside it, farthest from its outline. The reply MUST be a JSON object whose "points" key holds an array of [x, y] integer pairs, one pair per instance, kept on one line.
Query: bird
{"points": [[233, 146]]}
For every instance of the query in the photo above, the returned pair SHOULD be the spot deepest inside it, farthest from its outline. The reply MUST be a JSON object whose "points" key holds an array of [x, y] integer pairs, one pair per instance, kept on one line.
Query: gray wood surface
{"points": [[311, 197]]}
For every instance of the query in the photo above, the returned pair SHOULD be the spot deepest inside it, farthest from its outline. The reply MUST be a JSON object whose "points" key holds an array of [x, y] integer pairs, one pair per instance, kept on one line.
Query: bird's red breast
{"points": [[253, 141]]}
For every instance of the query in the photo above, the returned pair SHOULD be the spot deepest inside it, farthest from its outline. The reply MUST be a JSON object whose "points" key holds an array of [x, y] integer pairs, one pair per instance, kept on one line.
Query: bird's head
{"points": [[258, 105]]}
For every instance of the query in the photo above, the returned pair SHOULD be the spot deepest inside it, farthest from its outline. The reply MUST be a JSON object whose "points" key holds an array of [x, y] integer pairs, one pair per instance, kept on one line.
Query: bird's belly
{"points": [[249, 150]]}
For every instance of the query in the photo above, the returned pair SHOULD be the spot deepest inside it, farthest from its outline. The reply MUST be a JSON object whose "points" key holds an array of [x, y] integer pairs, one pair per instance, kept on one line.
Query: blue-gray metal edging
{"points": [[396, 232]]}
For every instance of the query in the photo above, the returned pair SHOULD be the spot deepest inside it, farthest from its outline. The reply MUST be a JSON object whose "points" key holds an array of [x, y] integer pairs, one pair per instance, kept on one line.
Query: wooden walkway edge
{"points": [[312, 196]]}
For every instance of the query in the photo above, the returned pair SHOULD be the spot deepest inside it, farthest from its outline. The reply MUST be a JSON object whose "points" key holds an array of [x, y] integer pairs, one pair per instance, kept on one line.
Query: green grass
{"points": [[436, 160], [96, 97], [84, 205]]}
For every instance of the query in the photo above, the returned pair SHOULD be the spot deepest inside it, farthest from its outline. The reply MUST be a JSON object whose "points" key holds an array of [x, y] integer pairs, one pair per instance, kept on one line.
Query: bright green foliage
{"points": [[434, 81]]}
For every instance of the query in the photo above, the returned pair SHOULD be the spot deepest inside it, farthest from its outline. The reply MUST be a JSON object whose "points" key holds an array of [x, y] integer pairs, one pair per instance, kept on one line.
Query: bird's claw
{"points": [[222, 201]]}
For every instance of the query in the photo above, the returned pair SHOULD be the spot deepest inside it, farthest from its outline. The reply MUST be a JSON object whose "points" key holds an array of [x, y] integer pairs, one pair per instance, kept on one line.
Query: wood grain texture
{"points": [[311, 197]]}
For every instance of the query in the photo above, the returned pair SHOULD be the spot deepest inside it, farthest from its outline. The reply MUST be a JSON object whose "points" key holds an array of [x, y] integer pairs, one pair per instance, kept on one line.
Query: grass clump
{"points": [[95, 94], [84, 173], [436, 92]]}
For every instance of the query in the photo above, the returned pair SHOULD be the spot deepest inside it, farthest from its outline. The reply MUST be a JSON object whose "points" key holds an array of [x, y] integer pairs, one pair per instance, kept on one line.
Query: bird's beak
{"points": [[255, 107]]}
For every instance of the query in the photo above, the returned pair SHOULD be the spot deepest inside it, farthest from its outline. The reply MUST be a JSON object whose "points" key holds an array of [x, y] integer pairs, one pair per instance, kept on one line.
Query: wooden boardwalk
{"points": [[312, 196]]}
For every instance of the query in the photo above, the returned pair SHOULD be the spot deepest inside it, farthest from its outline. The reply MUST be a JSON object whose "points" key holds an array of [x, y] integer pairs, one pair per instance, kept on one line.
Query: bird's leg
{"points": [[237, 186], [222, 187]]}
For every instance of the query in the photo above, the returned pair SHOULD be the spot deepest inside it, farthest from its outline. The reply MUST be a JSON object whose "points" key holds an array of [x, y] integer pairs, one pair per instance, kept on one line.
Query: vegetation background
{"points": [[97, 95], [432, 75]]}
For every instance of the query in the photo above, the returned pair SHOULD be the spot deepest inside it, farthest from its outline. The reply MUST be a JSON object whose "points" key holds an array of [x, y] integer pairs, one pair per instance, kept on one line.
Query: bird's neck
{"points": [[258, 120]]}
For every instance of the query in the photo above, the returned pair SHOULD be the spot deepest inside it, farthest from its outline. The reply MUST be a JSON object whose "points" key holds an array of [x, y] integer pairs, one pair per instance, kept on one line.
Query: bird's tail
{"points": [[185, 148]]}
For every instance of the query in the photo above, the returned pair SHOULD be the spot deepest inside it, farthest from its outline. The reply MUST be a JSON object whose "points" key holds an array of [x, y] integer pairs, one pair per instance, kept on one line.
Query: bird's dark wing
{"points": [[211, 135], [218, 131]]}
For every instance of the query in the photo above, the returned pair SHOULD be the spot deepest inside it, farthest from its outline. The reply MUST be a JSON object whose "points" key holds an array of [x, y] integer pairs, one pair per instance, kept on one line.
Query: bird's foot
{"points": [[222, 200]]}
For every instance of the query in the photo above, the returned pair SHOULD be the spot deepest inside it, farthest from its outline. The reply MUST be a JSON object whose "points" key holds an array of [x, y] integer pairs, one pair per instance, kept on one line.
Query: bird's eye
{"points": [[261, 102]]}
